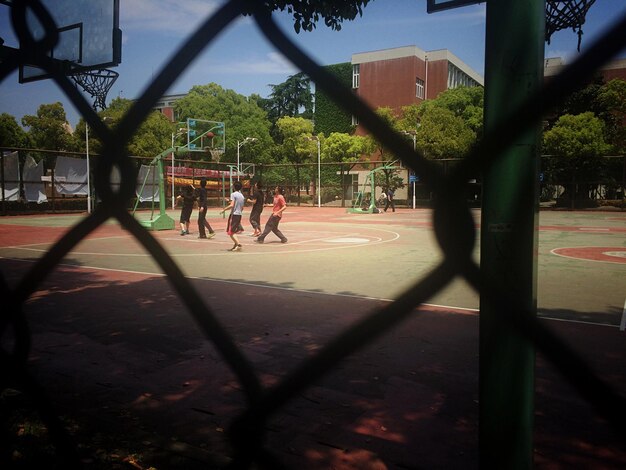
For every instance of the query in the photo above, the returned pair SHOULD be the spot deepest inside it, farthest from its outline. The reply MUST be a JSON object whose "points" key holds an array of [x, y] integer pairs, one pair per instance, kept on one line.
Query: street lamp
{"points": [[180, 132], [319, 170], [239, 145], [412, 134], [88, 177]]}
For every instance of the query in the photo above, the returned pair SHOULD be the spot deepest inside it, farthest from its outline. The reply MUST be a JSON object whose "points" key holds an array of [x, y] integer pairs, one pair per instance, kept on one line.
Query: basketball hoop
{"points": [[216, 154], [97, 83], [561, 14]]}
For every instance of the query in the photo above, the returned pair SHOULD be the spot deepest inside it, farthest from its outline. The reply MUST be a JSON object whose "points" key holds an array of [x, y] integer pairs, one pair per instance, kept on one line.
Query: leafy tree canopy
{"points": [[241, 116], [153, 136], [296, 145], [307, 14], [49, 129], [612, 98], [11, 133], [576, 136], [292, 98], [442, 134], [341, 147]]}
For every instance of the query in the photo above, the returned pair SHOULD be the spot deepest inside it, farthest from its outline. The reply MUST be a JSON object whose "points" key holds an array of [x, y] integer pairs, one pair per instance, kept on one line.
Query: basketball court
{"points": [[109, 324], [366, 255]]}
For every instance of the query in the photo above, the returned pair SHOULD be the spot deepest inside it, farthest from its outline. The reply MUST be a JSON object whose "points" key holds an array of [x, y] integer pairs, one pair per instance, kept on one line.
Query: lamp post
{"points": [[88, 171], [412, 134], [319, 170], [174, 136], [239, 145]]}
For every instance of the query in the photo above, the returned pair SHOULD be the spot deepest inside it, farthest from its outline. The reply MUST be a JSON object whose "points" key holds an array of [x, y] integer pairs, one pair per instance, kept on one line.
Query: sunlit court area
{"points": [[333, 252]]}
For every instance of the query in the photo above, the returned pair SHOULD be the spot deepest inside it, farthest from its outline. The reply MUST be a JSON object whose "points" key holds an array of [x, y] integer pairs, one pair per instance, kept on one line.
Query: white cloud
{"points": [[166, 16], [273, 63]]}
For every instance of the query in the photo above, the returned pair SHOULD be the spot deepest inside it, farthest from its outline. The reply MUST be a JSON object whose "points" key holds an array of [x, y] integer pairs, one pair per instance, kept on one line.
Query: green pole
{"points": [[513, 71]]}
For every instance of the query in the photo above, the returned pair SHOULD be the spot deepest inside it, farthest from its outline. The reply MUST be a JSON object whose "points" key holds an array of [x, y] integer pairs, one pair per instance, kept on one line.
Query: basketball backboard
{"points": [[89, 36], [439, 5], [203, 135]]}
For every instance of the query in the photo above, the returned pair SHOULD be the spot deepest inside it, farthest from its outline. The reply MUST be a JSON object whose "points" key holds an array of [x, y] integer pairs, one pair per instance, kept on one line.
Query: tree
{"points": [[386, 114], [341, 147], [49, 129], [306, 14], [574, 145], [296, 144], [152, 137], [11, 133], [241, 116], [442, 134], [292, 98], [612, 98]]}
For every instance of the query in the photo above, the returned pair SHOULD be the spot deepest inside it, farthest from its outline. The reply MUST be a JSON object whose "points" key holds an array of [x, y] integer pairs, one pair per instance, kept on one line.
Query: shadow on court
{"points": [[121, 357]]}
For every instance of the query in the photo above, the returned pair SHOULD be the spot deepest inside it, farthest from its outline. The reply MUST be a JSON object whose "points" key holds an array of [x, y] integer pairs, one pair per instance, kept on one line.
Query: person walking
{"points": [[235, 205], [187, 197], [203, 204], [278, 208], [389, 201], [257, 200]]}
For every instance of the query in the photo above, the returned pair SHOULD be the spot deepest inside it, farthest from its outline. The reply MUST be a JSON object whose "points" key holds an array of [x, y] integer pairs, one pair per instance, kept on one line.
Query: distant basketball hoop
{"points": [[216, 154], [561, 14]]}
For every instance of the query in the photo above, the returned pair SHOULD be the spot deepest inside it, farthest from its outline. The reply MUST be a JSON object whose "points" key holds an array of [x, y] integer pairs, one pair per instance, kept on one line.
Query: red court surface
{"points": [[116, 350]]}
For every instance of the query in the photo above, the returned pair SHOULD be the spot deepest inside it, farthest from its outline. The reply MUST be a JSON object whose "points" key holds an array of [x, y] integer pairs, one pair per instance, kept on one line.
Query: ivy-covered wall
{"points": [[328, 116]]}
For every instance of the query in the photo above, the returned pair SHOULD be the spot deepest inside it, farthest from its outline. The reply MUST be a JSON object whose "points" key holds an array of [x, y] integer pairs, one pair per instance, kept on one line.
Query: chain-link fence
{"points": [[446, 190]]}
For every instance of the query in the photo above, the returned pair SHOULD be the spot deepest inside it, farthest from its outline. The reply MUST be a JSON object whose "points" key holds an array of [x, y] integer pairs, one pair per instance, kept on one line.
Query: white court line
{"points": [[244, 252], [450, 308]]}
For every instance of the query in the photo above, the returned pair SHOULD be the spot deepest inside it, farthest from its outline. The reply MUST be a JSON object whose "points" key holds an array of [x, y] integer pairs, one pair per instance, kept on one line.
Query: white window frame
{"points": [[356, 75], [419, 88]]}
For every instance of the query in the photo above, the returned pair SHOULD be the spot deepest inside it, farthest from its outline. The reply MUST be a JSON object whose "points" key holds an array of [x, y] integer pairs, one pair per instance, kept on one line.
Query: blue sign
{"points": [[413, 179]]}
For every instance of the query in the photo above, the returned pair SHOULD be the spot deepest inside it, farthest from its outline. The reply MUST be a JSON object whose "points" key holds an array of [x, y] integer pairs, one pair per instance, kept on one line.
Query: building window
{"points": [[356, 73], [355, 120], [419, 88]]}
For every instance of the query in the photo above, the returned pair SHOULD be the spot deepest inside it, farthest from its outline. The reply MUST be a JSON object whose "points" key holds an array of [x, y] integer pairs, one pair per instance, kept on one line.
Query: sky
{"points": [[242, 60]]}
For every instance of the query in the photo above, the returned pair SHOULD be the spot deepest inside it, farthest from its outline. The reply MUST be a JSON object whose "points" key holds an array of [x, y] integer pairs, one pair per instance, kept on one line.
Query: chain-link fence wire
{"points": [[453, 223]]}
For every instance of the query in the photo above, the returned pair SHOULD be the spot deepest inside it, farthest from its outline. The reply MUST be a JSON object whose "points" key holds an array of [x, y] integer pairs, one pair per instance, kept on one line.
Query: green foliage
{"points": [[295, 145], [306, 14], [386, 114], [575, 144], [447, 126], [606, 102], [574, 136], [340, 147], [442, 134], [153, 136], [49, 129], [242, 117], [11, 133], [291, 98], [328, 116], [612, 98]]}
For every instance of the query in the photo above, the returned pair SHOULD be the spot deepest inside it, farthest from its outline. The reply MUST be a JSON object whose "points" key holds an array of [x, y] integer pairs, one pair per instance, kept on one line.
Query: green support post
{"points": [[162, 221], [513, 71]]}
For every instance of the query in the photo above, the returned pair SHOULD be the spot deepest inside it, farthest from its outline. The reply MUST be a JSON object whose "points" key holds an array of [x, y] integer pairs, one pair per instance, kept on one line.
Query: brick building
{"points": [[407, 75]]}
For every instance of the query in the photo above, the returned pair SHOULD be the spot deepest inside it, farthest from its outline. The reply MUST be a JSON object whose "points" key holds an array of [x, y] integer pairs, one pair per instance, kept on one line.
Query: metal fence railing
{"points": [[247, 433], [339, 183]]}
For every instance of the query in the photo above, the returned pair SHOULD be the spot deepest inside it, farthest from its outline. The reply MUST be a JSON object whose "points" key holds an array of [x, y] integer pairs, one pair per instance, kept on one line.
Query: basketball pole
{"points": [[514, 50]]}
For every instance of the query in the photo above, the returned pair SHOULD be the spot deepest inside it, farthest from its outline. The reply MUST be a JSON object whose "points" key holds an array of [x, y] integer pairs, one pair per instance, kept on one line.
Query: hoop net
{"points": [[561, 14], [216, 154], [97, 83]]}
